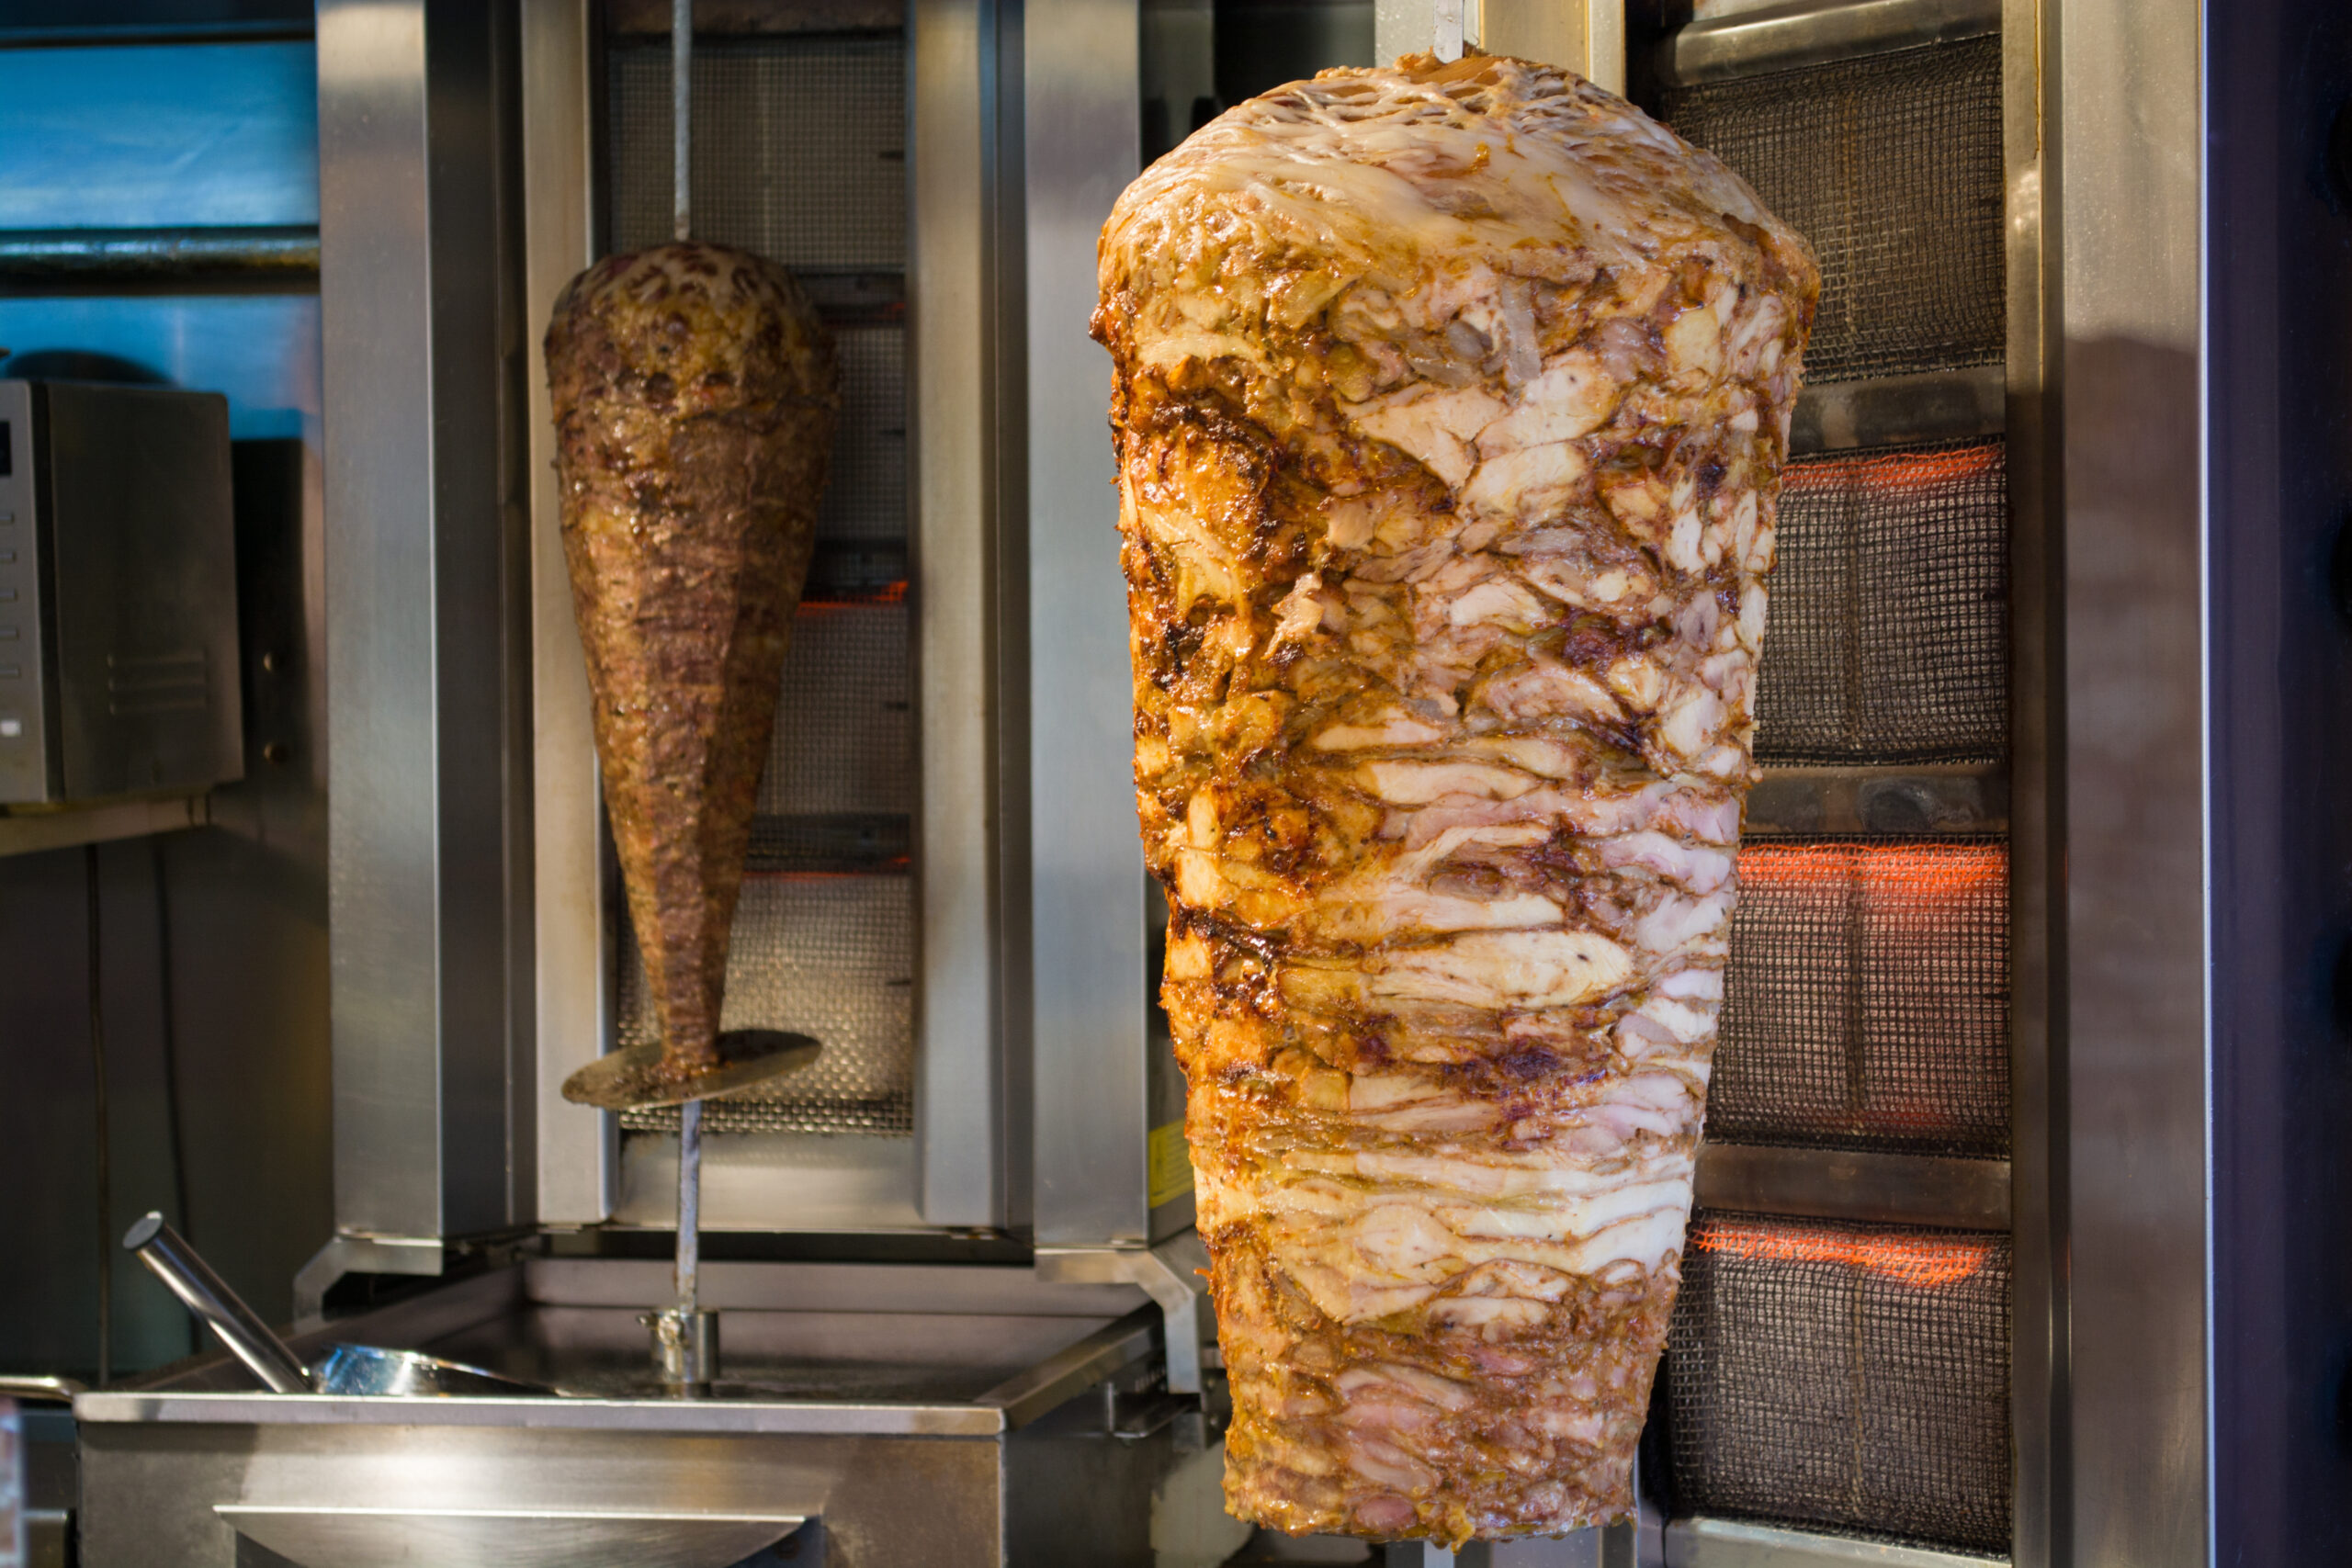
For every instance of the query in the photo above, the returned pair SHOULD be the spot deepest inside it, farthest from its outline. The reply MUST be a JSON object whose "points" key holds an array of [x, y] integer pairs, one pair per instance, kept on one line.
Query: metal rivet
{"points": [[274, 752]]}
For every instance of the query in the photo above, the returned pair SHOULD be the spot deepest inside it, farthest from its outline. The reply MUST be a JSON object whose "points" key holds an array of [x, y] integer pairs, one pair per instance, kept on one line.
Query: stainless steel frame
{"points": [[954, 1172], [2129, 1466]]}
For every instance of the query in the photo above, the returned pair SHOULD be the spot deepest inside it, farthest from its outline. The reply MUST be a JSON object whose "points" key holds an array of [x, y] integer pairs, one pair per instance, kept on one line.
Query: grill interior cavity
{"points": [[800, 154]]}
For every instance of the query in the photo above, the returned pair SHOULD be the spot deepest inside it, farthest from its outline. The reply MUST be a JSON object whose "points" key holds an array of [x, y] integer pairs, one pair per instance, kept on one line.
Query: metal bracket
{"points": [[347, 1254], [1172, 1274]]}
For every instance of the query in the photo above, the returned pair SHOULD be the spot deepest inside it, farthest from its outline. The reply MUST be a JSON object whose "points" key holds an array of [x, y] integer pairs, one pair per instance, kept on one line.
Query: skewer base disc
{"points": [[633, 1080]]}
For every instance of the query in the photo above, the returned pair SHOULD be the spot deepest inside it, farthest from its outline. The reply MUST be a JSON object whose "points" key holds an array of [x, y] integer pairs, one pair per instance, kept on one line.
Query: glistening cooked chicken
{"points": [[1450, 411]]}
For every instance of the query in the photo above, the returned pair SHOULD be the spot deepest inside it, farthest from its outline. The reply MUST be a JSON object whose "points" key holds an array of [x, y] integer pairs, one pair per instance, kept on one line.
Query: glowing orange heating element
{"points": [[1908, 471], [1892, 874], [1926, 1262]]}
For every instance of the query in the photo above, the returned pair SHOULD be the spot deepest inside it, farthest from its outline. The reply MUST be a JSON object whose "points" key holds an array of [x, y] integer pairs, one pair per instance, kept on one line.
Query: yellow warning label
{"points": [[1171, 1164]]}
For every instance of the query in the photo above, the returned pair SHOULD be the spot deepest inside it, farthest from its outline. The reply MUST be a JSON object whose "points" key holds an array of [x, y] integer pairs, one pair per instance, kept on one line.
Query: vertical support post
{"points": [[428, 799], [1082, 128], [961, 1104]]}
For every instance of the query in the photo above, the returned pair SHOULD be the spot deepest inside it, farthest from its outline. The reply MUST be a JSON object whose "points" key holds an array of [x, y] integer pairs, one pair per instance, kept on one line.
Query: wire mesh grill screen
{"points": [[1866, 1002], [799, 147], [865, 497], [829, 957], [1844, 1376], [1891, 166], [844, 729], [1887, 636]]}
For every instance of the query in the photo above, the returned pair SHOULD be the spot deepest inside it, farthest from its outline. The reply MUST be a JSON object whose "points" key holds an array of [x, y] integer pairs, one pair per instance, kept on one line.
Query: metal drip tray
{"points": [[838, 1384]]}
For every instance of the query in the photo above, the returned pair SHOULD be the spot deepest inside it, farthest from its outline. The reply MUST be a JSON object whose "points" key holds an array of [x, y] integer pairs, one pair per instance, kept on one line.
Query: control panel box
{"points": [[119, 658]]}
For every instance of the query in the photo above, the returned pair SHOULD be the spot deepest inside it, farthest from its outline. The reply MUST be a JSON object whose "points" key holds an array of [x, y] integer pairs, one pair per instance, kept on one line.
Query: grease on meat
{"points": [[1450, 409]]}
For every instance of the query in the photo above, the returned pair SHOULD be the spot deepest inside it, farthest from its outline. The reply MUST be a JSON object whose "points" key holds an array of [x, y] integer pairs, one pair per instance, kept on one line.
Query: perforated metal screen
{"points": [[1891, 166], [1866, 1004], [1887, 634], [800, 148], [1852, 1376], [800, 155], [829, 956]]}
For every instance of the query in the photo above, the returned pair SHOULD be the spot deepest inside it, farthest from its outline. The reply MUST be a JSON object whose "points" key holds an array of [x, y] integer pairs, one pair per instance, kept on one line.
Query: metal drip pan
{"points": [[844, 1391]]}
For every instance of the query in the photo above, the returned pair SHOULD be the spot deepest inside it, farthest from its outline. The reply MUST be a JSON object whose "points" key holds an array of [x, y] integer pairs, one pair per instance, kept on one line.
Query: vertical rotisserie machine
{"points": [[963, 1321]]}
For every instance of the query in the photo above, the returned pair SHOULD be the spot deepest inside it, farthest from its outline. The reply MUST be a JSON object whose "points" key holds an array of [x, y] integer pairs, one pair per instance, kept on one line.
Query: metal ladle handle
{"points": [[208, 1296]]}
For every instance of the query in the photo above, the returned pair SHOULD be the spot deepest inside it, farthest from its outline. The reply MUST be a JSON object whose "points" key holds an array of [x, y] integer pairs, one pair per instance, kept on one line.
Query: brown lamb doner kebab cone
{"points": [[694, 397]]}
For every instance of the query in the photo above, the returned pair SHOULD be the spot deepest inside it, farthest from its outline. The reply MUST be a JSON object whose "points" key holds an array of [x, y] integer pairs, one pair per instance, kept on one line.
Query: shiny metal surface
{"points": [[281, 252], [206, 1295], [572, 973], [1702, 1542], [1846, 1184], [2126, 136], [852, 1389], [1942, 405], [1812, 33], [53, 1390], [429, 809], [171, 1481], [765, 1182], [1172, 1274], [158, 136], [1958, 799], [360, 1537], [1081, 125], [965, 1117], [365, 1372], [2038, 1313]]}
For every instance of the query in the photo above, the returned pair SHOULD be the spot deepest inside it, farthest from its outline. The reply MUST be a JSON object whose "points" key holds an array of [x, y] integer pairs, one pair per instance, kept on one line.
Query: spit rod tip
{"points": [[143, 1229]]}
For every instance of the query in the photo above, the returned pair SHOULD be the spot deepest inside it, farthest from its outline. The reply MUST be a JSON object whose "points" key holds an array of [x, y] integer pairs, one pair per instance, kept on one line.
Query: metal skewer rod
{"points": [[688, 1276], [682, 61], [686, 1337]]}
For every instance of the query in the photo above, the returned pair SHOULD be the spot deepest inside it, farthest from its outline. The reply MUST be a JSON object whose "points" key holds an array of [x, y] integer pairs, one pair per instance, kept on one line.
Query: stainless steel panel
{"points": [[2038, 1313], [152, 1489], [429, 794], [764, 1181], [2126, 135], [578, 1146], [1080, 127], [357, 1535], [1703, 1543], [1962, 798], [1892, 411], [146, 137], [960, 1107], [1812, 33], [140, 583], [1847, 1184]]}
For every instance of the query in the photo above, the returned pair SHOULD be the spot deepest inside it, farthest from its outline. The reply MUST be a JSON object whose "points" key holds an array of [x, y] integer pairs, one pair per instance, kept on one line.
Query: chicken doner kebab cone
{"points": [[1450, 404], [694, 397]]}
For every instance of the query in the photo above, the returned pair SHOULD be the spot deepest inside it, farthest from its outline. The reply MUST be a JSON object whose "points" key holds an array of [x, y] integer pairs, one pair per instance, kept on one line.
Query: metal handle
{"points": [[208, 1296]]}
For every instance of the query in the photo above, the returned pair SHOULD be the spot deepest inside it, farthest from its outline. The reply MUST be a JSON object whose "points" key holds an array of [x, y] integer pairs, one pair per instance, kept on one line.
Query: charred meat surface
{"points": [[1450, 404], [695, 398]]}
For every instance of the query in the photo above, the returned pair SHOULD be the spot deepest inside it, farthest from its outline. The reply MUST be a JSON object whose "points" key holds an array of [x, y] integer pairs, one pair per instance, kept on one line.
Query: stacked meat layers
{"points": [[694, 396], [1451, 407]]}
